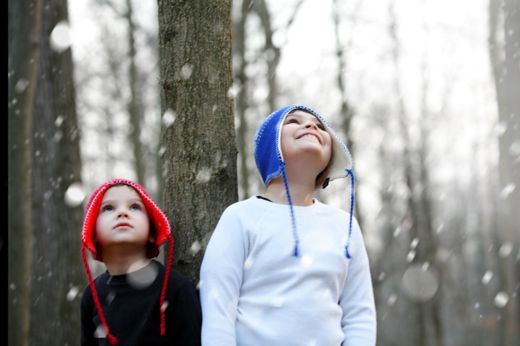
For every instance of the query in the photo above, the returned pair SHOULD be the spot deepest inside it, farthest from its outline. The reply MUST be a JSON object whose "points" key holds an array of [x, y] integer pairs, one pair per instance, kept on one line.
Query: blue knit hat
{"points": [[271, 164]]}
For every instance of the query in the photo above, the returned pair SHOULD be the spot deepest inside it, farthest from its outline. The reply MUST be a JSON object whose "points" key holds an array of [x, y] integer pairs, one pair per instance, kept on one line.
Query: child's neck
{"points": [[302, 192], [123, 263]]}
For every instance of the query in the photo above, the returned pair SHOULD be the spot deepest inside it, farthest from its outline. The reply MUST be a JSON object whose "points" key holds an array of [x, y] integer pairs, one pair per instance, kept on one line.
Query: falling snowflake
{"points": [[501, 299], [505, 249], [204, 175], [73, 292], [507, 190], [307, 261], [74, 195], [143, 277], [168, 117], [419, 284], [488, 275], [186, 71], [195, 247], [60, 37]]}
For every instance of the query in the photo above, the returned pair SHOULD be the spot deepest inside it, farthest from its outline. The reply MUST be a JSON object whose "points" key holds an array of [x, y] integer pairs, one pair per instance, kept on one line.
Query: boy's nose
{"points": [[311, 124], [122, 212]]}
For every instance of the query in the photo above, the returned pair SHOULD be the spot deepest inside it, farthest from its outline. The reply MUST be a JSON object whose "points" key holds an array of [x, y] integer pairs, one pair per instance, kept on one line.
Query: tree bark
{"points": [[242, 99], [57, 275], [199, 164], [504, 48], [272, 52], [24, 28], [135, 106]]}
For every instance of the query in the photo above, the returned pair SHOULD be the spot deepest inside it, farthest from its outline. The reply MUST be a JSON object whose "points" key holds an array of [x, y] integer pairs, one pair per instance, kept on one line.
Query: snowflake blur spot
{"points": [[277, 302], [248, 262], [74, 195], [204, 175], [110, 297], [410, 256], [143, 277], [186, 71], [488, 275], [391, 299], [164, 305], [507, 190], [195, 248], [58, 121], [514, 149], [73, 292], [60, 37], [307, 261], [505, 249], [21, 85], [419, 284], [100, 332], [233, 91], [162, 150], [501, 299], [168, 117]]}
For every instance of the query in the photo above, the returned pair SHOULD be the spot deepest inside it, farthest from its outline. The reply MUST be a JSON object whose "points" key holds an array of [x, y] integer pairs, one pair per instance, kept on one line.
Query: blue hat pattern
{"points": [[271, 164]]}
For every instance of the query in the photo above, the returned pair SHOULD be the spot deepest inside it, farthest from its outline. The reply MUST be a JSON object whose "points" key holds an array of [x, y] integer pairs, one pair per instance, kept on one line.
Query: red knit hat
{"points": [[159, 224]]}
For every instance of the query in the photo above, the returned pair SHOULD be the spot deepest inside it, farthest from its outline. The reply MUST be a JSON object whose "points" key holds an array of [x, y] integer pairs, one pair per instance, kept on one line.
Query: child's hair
{"points": [[271, 163], [159, 227]]}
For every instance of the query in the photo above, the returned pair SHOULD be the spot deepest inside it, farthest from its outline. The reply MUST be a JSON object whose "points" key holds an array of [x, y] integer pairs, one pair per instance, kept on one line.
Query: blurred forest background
{"points": [[169, 93]]}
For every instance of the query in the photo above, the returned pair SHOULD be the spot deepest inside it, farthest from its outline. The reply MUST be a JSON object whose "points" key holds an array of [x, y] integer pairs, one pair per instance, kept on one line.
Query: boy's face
{"points": [[122, 218], [303, 132]]}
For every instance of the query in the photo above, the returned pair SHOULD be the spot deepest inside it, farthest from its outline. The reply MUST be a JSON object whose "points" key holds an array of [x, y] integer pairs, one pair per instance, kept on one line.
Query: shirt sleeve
{"points": [[186, 315], [220, 280], [357, 299], [87, 325]]}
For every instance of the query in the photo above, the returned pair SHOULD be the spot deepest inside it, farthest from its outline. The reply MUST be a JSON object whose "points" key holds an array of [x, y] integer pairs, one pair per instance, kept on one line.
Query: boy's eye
{"points": [[107, 207], [321, 126], [292, 121], [136, 206]]}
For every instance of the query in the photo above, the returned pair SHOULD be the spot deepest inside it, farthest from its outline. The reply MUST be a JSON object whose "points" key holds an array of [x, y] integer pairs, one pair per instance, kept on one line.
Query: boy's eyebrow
{"points": [[130, 200], [298, 115]]}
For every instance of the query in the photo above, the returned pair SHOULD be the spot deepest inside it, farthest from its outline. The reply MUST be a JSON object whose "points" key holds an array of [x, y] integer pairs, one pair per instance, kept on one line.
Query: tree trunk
{"points": [[504, 48], [57, 275], [272, 53], [242, 99], [199, 164], [135, 106], [419, 208], [24, 30]]}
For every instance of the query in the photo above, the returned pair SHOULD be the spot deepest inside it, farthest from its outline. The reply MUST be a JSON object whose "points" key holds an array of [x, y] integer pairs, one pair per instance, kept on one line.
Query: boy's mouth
{"points": [[310, 135], [123, 224]]}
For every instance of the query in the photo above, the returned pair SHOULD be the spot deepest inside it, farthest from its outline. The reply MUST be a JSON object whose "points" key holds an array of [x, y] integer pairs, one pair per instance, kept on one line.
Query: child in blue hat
{"points": [[282, 268]]}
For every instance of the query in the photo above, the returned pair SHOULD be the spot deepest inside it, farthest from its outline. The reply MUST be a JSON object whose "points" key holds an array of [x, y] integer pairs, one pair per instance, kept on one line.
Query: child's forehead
{"points": [[121, 191], [299, 113]]}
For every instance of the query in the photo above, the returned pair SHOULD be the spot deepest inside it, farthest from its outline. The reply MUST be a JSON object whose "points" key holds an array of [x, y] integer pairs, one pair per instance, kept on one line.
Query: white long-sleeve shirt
{"points": [[255, 292]]}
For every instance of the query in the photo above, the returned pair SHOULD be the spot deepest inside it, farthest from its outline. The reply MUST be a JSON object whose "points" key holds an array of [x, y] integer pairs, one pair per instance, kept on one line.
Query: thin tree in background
{"points": [[57, 277], [272, 53], [419, 207], [199, 161], [504, 52], [242, 99], [24, 30], [135, 106]]}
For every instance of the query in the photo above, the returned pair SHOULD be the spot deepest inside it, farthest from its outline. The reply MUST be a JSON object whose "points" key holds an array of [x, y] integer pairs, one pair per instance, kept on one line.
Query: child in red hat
{"points": [[138, 300]]}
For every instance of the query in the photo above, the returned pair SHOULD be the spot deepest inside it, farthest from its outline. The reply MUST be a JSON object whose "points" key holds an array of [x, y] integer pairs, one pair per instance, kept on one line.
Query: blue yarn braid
{"points": [[293, 219], [352, 185]]}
